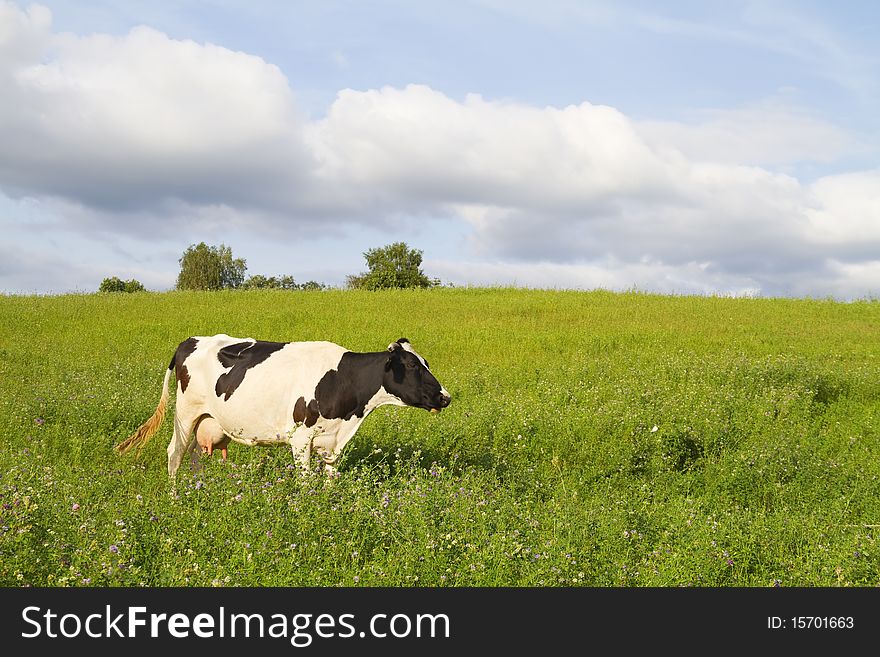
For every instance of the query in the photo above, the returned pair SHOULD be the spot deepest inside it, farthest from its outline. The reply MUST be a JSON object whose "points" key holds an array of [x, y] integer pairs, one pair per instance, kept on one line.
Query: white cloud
{"points": [[768, 133], [581, 185], [126, 122], [845, 211], [419, 144]]}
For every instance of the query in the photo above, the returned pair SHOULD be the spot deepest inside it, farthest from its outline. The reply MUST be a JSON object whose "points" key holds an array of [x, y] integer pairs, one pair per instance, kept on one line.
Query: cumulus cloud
{"points": [[844, 212], [424, 146], [127, 123], [139, 134], [769, 133], [583, 184]]}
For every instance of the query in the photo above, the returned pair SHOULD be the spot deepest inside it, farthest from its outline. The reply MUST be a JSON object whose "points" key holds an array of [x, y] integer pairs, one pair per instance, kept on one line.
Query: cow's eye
{"points": [[410, 365]]}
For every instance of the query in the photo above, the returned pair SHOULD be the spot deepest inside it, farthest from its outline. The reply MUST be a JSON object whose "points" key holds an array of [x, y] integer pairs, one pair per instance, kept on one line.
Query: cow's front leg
{"points": [[327, 447], [301, 445], [331, 444]]}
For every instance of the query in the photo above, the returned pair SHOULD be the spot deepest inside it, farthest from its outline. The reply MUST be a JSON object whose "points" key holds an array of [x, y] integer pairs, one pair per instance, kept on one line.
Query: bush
{"points": [[115, 284]]}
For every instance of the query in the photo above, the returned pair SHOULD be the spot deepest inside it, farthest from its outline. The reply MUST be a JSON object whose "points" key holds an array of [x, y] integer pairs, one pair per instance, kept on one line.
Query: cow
{"points": [[312, 396]]}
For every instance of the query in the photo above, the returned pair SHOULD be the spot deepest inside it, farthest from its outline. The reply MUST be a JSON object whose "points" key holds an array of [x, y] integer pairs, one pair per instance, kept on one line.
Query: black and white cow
{"points": [[309, 395]]}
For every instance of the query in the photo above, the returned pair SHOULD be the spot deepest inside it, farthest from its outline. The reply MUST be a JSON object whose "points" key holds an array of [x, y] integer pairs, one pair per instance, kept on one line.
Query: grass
{"points": [[594, 439]]}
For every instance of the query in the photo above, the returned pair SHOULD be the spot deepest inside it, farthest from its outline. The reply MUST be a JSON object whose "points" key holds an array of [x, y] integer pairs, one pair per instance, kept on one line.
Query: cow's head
{"points": [[408, 378]]}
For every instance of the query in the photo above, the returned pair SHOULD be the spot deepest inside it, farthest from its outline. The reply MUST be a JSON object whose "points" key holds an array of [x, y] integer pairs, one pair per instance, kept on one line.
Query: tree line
{"points": [[204, 267]]}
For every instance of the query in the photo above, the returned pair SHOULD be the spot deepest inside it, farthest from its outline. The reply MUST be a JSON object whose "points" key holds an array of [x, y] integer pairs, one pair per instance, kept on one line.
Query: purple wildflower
{"points": [[114, 549]]}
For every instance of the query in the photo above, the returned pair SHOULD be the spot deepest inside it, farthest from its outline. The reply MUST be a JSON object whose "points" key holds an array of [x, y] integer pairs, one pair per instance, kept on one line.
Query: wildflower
{"points": [[114, 549], [74, 507], [39, 421], [356, 579]]}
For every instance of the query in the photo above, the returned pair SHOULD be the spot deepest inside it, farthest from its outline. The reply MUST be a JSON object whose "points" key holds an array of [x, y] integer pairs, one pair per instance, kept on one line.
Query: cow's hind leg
{"points": [[182, 441]]}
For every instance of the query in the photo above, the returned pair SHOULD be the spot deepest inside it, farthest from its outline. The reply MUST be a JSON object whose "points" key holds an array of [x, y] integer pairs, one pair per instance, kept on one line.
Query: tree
{"points": [[392, 266], [257, 282], [204, 267], [115, 284], [260, 282]]}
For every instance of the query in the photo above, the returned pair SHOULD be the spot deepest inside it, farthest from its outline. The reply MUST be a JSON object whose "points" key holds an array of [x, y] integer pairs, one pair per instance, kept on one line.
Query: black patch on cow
{"points": [[241, 357], [305, 413], [344, 392], [184, 349]]}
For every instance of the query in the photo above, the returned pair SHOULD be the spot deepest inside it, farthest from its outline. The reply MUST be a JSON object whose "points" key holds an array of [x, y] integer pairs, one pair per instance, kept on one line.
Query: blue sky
{"points": [[681, 147]]}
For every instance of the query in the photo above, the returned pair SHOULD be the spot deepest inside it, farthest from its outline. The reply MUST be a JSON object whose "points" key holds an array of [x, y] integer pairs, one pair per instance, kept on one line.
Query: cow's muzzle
{"points": [[444, 401]]}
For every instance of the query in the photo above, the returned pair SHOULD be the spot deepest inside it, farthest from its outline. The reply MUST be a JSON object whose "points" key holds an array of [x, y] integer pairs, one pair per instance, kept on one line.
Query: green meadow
{"points": [[594, 439]]}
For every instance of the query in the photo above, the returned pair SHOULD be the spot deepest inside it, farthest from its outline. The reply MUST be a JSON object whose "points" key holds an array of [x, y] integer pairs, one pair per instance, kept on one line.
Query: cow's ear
{"points": [[402, 341], [394, 345]]}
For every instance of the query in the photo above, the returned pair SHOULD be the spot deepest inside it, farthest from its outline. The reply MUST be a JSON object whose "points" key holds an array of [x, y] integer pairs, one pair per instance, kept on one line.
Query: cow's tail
{"points": [[146, 431]]}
